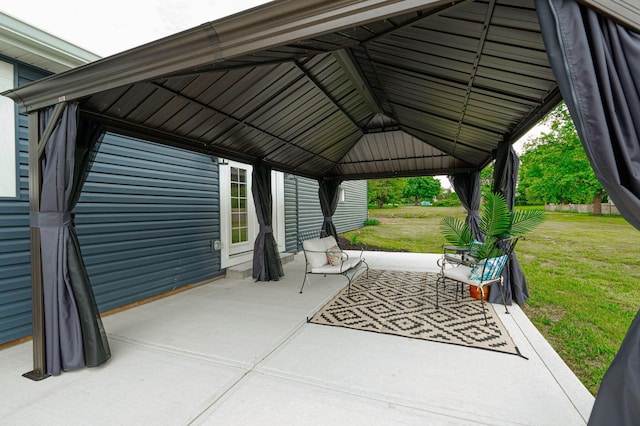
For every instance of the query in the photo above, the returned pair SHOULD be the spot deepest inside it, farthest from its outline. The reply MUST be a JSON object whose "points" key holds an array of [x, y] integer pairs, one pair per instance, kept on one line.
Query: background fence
{"points": [[607, 208]]}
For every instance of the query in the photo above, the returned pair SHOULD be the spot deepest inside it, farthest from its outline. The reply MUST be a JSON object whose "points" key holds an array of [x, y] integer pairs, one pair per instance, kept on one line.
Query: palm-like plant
{"points": [[496, 222], [456, 231]]}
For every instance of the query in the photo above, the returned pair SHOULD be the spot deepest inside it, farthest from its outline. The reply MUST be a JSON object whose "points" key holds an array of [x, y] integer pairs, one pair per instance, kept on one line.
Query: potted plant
{"points": [[497, 222]]}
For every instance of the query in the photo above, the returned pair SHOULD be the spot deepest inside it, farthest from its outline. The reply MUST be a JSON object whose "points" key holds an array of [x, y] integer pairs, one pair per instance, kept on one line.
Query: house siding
{"points": [[352, 212], [303, 213], [146, 220], [15, 267]]}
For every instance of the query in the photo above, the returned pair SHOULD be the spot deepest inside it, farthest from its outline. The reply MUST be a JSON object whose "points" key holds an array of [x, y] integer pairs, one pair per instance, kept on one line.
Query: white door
{"points": [[239, 224]]}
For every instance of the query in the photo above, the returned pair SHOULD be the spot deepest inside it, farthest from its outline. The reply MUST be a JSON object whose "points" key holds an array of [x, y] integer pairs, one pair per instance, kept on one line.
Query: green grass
{"points": [[583, 274]]}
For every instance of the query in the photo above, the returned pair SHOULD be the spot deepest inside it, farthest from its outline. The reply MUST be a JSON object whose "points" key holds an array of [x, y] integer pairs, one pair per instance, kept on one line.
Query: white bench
{"points": [[324, 256]]}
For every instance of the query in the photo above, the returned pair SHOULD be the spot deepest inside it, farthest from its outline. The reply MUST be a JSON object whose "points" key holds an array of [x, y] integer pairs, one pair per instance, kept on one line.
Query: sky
{"points": [[109, 27]]}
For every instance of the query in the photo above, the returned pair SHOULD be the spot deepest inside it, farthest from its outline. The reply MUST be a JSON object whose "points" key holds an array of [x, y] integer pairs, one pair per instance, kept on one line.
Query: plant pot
{"points": [[474, 291]]}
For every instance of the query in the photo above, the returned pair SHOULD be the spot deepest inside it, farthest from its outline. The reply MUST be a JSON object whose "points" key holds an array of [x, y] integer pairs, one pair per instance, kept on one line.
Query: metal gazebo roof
{"points": [[356, 89]]}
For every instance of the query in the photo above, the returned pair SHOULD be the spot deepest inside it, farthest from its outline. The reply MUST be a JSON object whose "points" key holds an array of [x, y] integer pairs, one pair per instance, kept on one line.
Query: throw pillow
{"points": [[488, 269], [334, 256]]}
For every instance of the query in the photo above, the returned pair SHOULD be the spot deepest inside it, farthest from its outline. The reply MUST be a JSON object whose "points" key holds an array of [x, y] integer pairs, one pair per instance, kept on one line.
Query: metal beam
{"points": [[234, 119], [351, 69], [39, 371], [483, 37], [326, 93], [412, 173]]}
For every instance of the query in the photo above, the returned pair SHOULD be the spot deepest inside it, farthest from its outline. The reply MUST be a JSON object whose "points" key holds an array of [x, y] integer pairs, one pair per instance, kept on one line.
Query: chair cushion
{"points": [[328, 242], [488, 269], [330, 269], [459, 273], [315, 251]]}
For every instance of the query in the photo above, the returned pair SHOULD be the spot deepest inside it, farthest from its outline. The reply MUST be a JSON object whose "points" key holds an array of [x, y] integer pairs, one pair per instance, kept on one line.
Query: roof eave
{"points": [[39, 48]]}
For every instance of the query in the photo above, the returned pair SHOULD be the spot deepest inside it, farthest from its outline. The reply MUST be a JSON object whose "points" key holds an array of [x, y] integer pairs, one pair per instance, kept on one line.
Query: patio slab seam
{"points": [[252, 368], [180, 352]]}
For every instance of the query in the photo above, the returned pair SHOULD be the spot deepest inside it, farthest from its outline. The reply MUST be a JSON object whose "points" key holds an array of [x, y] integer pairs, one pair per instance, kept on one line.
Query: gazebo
{"points": [[332, 90]]}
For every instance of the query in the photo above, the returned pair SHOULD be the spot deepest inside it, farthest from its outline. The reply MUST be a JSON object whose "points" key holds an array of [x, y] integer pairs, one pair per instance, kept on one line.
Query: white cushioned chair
{"points": [[324, 256], [481, 274]]}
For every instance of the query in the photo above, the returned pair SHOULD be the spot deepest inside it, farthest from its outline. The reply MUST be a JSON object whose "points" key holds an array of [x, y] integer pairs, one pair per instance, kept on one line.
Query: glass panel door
{"points": [[239, 206]]}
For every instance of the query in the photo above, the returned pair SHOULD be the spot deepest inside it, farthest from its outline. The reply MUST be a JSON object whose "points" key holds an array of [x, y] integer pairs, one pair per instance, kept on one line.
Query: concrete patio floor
{"points": [[236, 352]]}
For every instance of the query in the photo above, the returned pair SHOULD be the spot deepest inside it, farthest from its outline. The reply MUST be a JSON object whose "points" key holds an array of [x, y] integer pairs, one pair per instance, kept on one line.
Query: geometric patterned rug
{"points": [[403, 304]]}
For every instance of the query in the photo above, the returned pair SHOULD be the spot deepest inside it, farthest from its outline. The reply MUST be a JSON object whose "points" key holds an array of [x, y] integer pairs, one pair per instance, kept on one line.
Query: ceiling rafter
{"points": [[139, 130], [445, 118], [420, 16], [335, 163], [408, 173], [441, 78], [350, 67], [416, 133], [474, 71], [376, 72], [326, 93], [237, 120]]}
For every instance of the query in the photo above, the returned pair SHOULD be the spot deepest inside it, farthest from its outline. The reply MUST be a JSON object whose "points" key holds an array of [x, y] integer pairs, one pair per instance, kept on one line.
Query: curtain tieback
{"points": [[328, 218], [50, 219], [266, 229]]}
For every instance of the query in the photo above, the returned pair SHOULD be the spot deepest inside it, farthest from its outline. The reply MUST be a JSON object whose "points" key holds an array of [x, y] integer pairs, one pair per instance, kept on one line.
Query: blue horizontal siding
{"points": [[303, 212], [146, 220], [15, 267]]}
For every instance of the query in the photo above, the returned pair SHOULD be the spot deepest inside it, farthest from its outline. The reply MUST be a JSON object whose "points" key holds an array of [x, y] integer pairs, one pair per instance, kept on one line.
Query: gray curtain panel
{"points": [[467, 186], [505, 173], [596, 62], [74, 336], [597, 65], [505, 177], [329, 194], [618, 400], [96, 345], [267, 265]]}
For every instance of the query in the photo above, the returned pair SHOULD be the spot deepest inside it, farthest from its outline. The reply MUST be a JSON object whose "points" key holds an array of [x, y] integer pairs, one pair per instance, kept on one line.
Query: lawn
{"points": [[583, 274]]}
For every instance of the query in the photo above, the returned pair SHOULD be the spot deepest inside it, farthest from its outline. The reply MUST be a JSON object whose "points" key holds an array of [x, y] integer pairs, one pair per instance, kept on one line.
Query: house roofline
{"points": [[33, 46]]}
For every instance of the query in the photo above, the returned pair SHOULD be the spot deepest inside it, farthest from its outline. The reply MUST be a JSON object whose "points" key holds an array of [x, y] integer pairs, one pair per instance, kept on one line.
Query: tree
{"points": [[448, 198], [422, 188], [486, 179], [555, 168], [385, 191]]}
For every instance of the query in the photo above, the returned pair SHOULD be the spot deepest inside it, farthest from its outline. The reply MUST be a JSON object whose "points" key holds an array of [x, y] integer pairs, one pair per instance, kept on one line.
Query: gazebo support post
{"points": [[39, 371]]}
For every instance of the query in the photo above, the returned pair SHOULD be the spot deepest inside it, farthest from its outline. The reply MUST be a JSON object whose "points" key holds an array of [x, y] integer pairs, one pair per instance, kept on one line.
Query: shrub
{"points": [[371, 222], [451, 202]]}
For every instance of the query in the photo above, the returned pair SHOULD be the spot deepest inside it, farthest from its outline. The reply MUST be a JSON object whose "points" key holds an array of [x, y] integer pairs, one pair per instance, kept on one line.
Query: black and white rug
{"points": [[403, 304]]}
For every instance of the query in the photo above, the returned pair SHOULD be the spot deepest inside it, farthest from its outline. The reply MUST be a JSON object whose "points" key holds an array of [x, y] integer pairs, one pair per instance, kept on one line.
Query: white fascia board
{"points": [[40, 48]]}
